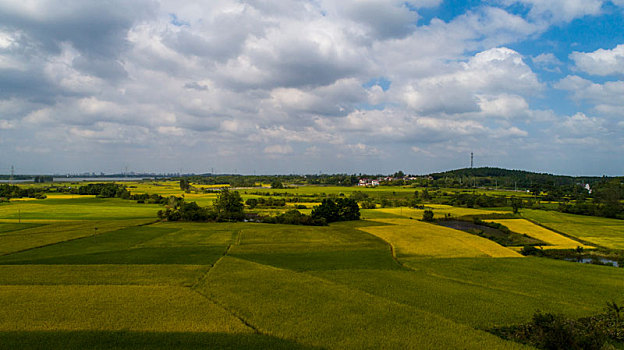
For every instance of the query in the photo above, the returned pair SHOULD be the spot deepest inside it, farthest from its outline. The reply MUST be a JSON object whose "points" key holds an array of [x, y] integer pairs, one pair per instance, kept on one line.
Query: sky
{"points": [[302, 87]]}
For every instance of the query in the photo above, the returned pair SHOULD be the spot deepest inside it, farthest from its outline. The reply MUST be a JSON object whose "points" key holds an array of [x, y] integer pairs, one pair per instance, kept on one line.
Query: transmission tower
{"points": [[12, 175], [471, 160]]}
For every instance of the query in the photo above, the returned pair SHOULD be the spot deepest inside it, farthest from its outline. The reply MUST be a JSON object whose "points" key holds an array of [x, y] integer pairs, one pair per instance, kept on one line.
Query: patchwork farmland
{"points": [[82, 272]]}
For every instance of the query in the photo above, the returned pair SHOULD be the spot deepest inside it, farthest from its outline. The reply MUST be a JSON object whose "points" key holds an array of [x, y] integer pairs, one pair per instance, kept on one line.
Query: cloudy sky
{"points": [[266, 87]]}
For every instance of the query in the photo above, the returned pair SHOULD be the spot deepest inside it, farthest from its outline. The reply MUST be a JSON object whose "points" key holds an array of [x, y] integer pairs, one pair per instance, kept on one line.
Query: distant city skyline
{"points": [[306, 87]]}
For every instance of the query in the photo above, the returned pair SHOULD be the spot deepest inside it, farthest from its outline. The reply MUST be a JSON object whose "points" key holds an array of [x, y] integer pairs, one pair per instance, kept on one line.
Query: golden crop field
{"points": [[412, 238], [555, 240], [439, 211]]}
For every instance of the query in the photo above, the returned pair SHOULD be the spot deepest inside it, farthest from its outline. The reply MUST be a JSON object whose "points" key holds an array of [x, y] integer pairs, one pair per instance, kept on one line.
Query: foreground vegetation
{"points": [[85, 271]]}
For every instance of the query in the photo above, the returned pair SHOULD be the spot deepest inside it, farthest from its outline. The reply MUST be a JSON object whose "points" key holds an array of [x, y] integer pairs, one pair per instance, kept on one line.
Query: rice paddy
{"points": [[386, 282], [600, 231], [553, 239], [439, 211], [411, 238]]}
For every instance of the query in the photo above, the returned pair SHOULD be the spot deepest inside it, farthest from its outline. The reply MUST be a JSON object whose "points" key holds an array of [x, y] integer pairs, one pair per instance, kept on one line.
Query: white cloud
{"points": [[606, 97], [546, 59], [213, 80], [503, 106], [580, 124], [6, 124], [548, 62], [600, 62], [491, 72], [557, 11], [278, 149]]}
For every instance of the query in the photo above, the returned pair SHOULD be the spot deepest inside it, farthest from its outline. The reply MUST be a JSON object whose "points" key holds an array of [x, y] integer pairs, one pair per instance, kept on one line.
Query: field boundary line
{"points": [[73, 239], [223, 307], [582, 241], [238, 238], [392, 249]]}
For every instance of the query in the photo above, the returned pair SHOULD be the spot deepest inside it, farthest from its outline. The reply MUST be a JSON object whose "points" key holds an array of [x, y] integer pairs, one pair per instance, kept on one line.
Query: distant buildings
{"points": [[368, 183], [365, 182]]}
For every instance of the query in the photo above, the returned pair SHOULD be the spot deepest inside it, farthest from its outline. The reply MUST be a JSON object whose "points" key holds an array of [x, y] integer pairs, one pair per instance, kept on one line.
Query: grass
{"points": [[51, 232], [12, 227], [161, 274], [315, 312], [555, 240], [80, 208], [335, 259], [412, 238], [185, 234], [123, 246], [247, 285], [130, 340], [111, 308], [338, 246], [484, 292], [600, 231], [439, 211]]}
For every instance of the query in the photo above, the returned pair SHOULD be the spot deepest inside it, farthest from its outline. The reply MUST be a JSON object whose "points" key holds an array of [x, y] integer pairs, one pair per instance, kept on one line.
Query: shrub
{"points": [[428, 215]]}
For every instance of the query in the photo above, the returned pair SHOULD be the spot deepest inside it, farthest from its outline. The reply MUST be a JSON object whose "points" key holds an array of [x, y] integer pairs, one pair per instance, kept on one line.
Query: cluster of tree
{"points": [[341, 209], [608, 210], [606, 201], [187, 212], [104, 190], [504, 178], [554, 331], [11, 191], [185, 184], [604, 257], [227, 207], [471, 200], [155, 199], [295, 217], [265, 202], [277, 184], [243, 180], [428, 215]]}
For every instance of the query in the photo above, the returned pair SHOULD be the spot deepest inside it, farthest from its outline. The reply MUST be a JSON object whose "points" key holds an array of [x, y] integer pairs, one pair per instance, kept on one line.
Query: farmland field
{"points": [[414, 239], [82, 272], [555, 240], [601, 231]]}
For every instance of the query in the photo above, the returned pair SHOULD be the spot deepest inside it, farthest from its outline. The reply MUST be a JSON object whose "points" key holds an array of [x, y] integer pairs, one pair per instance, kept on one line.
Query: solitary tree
{"points": [[277, 184], [428, 215], [516, 204], [184, 184], [229, 206]]}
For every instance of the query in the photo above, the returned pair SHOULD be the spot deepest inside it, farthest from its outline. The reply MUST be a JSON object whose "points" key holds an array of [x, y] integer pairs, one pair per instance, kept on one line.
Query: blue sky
{"points": [[354, 86]]}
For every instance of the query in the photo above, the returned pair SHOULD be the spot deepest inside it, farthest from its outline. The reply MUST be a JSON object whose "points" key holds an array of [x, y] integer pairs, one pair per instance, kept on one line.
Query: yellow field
{"points": [[439, 210], [555, 240], [66, 196], [412, 238]]}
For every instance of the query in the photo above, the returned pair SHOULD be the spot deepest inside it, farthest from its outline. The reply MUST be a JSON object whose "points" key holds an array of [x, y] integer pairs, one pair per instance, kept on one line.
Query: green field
{"points": [[600, 231], [385, 282]]}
